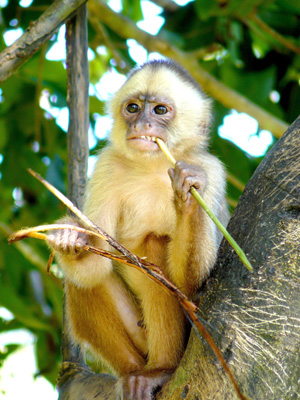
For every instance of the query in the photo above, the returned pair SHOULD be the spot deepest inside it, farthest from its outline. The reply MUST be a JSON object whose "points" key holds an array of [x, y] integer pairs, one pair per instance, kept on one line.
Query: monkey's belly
{"points": [[153, 248]]}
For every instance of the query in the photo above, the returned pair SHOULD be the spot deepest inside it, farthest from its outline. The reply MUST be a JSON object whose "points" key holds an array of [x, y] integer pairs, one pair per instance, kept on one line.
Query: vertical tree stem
{"points": [[78, 101]]}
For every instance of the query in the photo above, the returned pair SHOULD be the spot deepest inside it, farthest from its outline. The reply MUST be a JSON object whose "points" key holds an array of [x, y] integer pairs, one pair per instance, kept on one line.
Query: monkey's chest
{"points": [[147, 221], [151, 212]]}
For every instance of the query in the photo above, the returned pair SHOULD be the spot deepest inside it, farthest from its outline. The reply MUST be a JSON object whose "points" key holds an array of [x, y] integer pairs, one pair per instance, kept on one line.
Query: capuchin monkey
{"points": [[124, 317]]}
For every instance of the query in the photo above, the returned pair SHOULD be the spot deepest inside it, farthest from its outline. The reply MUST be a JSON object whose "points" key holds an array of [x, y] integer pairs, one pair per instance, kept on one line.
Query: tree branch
{"points": [[167, 5], [226, 96], [78, 102], [78, 150], [263, 29], [37, 34]]}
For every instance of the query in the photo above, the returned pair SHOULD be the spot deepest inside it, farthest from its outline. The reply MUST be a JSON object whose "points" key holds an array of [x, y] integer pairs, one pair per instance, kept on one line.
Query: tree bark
{"points": [[78, 103], [36, 35], [78, 150], [253, 317]]}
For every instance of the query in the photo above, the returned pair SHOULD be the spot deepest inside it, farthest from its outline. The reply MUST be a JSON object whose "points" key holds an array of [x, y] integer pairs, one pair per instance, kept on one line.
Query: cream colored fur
{"points": [[131, 198]]}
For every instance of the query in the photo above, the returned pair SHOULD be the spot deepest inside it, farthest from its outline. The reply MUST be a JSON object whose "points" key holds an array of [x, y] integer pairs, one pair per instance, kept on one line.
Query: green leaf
{"points": [[96, 106], [8, 350], [3, 132], [9, 325], [292, 6], [195, 34], [206, 9], [256, 85], [10, 300], [133, 9]]}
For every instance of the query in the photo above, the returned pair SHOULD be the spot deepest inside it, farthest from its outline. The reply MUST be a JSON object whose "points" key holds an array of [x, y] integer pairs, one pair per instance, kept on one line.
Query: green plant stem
{"points": [[226, 234], [205, 207]]}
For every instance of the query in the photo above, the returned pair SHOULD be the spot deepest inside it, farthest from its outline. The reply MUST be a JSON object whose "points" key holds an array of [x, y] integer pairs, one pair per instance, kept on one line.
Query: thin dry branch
{"points": [[34, 232], [128, 258], [260, 27]]}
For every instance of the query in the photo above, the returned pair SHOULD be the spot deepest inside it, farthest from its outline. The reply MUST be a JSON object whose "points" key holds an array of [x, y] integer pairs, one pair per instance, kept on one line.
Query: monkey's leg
{"points": [[106, 317], [191, 258], [163, 316], [165, 325]]}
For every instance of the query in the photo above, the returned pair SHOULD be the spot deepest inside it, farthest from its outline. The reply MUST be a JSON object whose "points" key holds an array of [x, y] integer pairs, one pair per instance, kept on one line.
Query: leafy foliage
{"points": [[251, 46]]}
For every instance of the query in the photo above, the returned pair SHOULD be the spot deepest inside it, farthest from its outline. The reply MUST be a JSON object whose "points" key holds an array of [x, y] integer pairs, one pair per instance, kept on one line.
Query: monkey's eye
{"points": [[132, 108], [160, 110]]}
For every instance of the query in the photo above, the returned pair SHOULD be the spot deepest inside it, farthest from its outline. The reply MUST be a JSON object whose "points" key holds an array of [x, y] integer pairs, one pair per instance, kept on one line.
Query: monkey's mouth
{"points": [[144, 142], [151, 138]]}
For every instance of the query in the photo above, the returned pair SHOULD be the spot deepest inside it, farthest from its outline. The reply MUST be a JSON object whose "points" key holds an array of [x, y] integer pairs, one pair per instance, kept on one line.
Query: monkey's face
{"points": [[158, 102], [147, 118]]}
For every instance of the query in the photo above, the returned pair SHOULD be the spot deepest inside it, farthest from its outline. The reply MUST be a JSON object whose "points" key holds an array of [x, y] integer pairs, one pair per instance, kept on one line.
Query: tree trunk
{"points": [[78, 149], [253, 317]]}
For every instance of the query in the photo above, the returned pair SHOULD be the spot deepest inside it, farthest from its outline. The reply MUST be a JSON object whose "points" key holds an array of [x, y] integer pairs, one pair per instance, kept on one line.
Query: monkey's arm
{"points": [[194, 244], [82, 268]]}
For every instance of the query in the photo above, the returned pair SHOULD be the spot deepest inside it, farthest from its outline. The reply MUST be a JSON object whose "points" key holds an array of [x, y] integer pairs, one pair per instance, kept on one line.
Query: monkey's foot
{"points": [[144, 385]]}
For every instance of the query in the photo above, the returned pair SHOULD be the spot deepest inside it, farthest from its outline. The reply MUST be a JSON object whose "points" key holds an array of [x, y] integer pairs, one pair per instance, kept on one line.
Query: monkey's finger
{"points": [[175, 182], [171, 173], [181, 172], [81, 242], [189, 182]]}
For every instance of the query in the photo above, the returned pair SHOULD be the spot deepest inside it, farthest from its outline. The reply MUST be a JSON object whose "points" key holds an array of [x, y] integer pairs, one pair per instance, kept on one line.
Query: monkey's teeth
{"points": [[150, 138]]}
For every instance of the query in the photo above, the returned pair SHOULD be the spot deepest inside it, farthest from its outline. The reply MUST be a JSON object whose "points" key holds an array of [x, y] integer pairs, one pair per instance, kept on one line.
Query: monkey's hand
{"points": [[183, 177], [68, 241], [143, 386]]}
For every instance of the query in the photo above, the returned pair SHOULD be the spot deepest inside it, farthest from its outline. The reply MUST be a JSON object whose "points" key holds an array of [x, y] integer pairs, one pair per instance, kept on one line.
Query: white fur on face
{"points": [[192, 108]]}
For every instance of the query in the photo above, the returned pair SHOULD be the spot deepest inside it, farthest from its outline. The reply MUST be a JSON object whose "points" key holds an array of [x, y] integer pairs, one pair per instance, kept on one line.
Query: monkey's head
{"points": [[159, 99]]}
